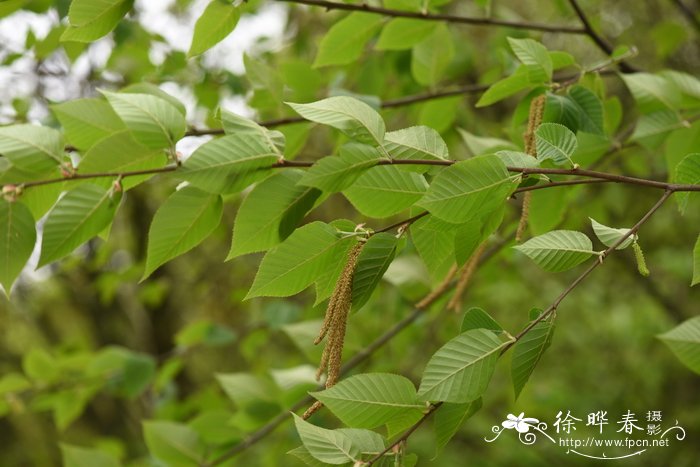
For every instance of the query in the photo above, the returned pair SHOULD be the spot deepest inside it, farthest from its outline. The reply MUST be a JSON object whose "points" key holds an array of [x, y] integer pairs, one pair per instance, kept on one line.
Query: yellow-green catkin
{"points": [[534, 120], [641, 262]]}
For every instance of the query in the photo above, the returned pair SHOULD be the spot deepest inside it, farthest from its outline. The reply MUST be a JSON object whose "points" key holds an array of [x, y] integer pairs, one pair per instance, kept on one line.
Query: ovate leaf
{"points": [[652, 92], [477, 318], [688, 172], [329, 446], [416, 142], [17, 238], [86, 121], [185, 219], [558, 250], [527, 352], [372, 263], [335, 173], [684, 342], [351, 116], [696, 263], [461, 370], [609, 236], [386, 190], [216, 22], [31, 147], [431, 57], [371, 400], [450, 418], [590, 109], [404, 33], [75, 456], [92, 19], [271, 212], [506, 87], [236, 125], [555, 142], [174, 443], [77, 217], [532, 54], [345, 40], [469, 189], [155, 122]]}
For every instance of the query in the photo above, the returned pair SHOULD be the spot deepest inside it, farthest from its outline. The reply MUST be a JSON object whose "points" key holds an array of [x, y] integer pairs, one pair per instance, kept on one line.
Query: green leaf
{"points": [[460, 370], [271, 212], [351, 116], [17, 239], [372, 399], [518, 81], [469, 189], [480, 145], [367, 442], [450, 418], [153, 90], [590, 110], [652, 92], [229, 164], [688, 172], [34, 148], [555, 142], [385, 190], [609, 236], [436, 247], [174, 443], [518, 159], [181, 223], [120, 153], [155, 122], [329, 446], [346, 39], [477, 318], [305, 456], [77, 217], [696, 263], [335, 173], [431, 57], [372, 263], [92, 19], [75, 456], [300, 260], [128, 373], [86, 121], [684, 342], [216, 22], [246, 390], [403, 33], [205, 333], [656, 124], [40, 366], [416, 142], [558, 250], [527, 352], [532, 54], [236, 125]]}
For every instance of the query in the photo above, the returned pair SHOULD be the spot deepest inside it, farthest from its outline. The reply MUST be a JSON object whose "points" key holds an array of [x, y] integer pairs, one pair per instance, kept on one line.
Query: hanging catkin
{"points": [[335, 324], [535, 118]]}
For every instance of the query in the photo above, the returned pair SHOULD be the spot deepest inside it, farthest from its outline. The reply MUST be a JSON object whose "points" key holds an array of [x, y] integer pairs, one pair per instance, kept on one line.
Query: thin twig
{"points": [[439, 17]]}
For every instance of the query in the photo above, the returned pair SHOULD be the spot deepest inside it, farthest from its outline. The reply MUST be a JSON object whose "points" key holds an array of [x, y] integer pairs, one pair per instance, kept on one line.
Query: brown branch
{"points": [[439, 17], [599, 40]]}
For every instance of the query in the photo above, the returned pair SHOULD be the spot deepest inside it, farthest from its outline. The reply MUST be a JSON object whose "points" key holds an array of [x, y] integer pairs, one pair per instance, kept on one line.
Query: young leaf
{"points": [[216, 22], [590, 110], [17, 238], [237, 125], [688, 171], [652, 92], [558, 250], [532, 54], [432, 56], [77, 217], [174, 443], [416, 142], [684, 342], [349, 115], [374, 260], [271, 212], [404, 33], [75, 456], [527, 353], [155, 122], [35, 148], [372, 399], [652, 128], [335, 173], [608, 236], [153, 90], [477, 318], [92, 19], [86, 121], [300, 260], [468, 190], [696, 263], [385, 190], [555, 142], [228, 164], [506, 87], [329, 446], [450, 418], [181, 223], [461, 370], [345, 40]]}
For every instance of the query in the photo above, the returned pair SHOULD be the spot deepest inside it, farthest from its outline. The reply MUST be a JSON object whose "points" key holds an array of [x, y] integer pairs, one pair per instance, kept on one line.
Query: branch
{"points": [[599, 40], [439, 17], [689, 14], [418, 310], [552, 308]]}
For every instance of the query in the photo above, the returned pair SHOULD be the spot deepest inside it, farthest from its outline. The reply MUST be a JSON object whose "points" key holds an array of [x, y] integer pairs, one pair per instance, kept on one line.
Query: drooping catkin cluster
{"points": [[641, 262], [335, 324], [534, 119]]}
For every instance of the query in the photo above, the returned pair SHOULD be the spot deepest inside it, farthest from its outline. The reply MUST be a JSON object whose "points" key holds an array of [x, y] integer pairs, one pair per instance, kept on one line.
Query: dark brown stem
{"points": [[439, 17]]}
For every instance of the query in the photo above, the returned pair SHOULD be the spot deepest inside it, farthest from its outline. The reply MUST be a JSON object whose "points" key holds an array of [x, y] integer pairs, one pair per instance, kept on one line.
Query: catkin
{"points": [[641, 262], [534, 120], [335, 324]]}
